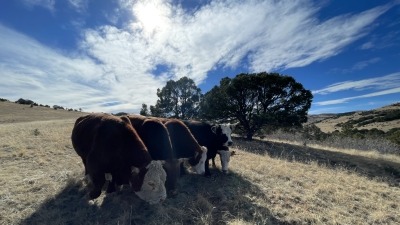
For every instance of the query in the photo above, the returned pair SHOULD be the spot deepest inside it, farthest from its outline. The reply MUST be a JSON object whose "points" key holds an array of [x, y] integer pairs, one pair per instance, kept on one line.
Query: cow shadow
{"points": [[378, 169], [214, 200]]}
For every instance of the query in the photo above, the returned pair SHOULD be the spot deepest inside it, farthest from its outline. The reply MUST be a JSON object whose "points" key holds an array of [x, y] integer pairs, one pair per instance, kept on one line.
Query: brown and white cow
{"points": [[155, 136], [109, 144], [184, 145]]}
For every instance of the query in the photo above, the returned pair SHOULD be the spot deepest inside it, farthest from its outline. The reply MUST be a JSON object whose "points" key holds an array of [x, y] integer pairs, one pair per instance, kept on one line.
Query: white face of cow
{"points": [[227, 130], [153, 189], [225, 157], [200, 167]]}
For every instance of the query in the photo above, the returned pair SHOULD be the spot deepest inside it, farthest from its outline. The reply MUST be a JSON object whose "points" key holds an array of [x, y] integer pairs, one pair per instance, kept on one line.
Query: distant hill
{"points": [[11, 112], [384, 118]]}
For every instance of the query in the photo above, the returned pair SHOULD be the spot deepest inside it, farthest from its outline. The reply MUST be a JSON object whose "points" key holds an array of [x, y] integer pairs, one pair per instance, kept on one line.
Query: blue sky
{"points": [[111, 56]]}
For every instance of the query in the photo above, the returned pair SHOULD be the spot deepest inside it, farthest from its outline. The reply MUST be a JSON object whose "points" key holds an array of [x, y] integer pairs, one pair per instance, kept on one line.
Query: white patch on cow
{"points": [[153, 189], [200, 167], [226, 129], [225, 157]]}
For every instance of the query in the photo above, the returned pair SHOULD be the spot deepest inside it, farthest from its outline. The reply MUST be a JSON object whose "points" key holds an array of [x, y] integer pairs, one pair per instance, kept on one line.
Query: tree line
{"points": [[256, 101]]}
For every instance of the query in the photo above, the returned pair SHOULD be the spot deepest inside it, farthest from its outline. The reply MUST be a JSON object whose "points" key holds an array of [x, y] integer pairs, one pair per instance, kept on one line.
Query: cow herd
{"points": [[148, 153]]}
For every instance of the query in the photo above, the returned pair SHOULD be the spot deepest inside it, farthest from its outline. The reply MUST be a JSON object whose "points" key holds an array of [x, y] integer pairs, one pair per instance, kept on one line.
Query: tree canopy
{"points": [[257, 100], [178, 99]]}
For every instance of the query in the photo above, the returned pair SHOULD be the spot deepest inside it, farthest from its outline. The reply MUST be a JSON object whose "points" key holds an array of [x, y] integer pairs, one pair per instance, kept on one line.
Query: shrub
{"points": [[25, 101]]}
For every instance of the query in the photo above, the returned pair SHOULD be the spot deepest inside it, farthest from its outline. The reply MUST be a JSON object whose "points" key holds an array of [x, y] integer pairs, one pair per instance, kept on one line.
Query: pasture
{"points": [[41, 179]]}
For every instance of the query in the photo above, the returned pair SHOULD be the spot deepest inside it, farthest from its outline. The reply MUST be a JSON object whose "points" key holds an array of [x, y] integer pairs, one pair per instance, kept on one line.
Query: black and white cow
{"points": [[216, 137]]}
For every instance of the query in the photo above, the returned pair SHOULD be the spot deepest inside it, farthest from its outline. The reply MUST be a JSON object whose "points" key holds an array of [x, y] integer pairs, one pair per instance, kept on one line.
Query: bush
{"points": [[57, 107], [25, 101]]}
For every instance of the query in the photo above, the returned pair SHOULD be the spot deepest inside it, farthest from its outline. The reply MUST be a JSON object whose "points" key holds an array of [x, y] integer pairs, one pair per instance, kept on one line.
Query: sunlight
{"points": [[152, 16]]}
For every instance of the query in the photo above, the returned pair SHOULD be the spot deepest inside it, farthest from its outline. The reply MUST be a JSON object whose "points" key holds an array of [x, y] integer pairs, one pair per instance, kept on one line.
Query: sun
{"points": [[152, 16]]}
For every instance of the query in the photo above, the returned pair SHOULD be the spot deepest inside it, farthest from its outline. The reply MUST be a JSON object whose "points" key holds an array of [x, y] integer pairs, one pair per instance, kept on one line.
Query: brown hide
{"points": [[157, 140], [109, 144], [183, 142]]}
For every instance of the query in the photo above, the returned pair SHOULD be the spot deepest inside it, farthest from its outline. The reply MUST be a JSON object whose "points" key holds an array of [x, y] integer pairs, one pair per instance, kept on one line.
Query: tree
{"points": [[178, 99], [257, 100], [144, 111]]}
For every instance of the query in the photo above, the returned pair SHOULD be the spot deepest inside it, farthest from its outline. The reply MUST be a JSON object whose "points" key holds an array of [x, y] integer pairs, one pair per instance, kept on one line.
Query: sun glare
{"points": [[151, 15]]}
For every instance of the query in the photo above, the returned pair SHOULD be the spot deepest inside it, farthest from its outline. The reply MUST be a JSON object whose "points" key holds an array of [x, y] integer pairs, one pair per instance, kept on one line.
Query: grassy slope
{"points": [[269, 183], [327, 122]]}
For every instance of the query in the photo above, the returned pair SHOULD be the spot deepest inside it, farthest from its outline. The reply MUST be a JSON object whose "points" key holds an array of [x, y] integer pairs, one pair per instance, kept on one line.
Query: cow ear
{"points": [[233, 125], [214, 129], [135, 171]]}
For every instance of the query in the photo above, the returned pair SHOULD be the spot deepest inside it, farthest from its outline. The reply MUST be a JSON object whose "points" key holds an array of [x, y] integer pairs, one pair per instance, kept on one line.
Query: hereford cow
{"points": [[216, 138], [183, 143], [109, 144], [186, 146], [157, 140]]}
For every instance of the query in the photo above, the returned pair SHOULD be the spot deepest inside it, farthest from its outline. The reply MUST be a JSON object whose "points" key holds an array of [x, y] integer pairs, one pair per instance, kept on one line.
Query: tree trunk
{"points": [[249, 135]]}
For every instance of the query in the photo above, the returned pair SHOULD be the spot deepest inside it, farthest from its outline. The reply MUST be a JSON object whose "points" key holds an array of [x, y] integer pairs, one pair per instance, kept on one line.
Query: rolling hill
{"points": [[384, 118]]}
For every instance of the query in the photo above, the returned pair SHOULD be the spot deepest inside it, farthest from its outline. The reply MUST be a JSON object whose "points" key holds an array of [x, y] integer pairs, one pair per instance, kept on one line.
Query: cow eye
{"points": [[152, 185]]}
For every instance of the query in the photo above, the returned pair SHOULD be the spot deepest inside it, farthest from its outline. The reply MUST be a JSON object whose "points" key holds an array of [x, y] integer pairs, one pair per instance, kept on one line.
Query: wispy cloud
{"points": [[377, 83], [116, 64], [47, 4], [345, 100]]}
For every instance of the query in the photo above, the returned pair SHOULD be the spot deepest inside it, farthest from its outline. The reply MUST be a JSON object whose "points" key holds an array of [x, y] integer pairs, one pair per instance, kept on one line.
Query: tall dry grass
{"points": [[41, 183]]}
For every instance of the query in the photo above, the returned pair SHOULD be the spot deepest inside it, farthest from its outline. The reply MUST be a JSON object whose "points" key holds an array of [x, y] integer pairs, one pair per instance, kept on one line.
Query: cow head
{"points": [[152, 189], [225, 156], [199, 168], [224, 131]]}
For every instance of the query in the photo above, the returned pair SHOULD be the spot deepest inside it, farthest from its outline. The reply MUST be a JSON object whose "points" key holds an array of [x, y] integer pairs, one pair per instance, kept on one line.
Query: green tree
{"points": [[178, 99], [257, 100], [144, 111]]}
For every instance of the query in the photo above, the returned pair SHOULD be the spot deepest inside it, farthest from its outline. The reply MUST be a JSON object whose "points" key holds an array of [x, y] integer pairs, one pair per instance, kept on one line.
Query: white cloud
{"points": [[79, 5], [47, 4], [31, 70], [384, 82], [345, 100], [117, 63]]}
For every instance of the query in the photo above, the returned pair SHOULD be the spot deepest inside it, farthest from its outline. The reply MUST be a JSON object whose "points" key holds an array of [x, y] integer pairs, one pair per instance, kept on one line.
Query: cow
{"points": [[109, 144], [216, 137], [155, 136], [184, 145]]}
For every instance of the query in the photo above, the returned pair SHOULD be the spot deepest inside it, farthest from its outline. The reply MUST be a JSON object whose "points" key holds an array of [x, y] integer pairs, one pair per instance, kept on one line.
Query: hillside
{"points": [[11, 112], [384, 119]]}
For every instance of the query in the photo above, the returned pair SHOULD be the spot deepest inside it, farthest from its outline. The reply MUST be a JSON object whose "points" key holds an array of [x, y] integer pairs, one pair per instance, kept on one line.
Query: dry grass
{"points": [[269, 183]]}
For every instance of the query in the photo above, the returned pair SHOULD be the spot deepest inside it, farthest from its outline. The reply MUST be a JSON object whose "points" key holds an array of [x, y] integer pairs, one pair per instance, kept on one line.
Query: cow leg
{"points": [[207, 168], [98, 180], [213, 163], [112, 184], [182, 169], [97, 175], [172, 169]]}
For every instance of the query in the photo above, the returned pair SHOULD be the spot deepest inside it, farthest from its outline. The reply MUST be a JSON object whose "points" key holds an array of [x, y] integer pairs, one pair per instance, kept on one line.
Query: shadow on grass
{"points": [[379, 169], [216, 200]]}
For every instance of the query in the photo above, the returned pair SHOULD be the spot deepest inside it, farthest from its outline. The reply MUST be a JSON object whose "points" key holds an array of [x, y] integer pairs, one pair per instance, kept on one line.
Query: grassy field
{"points": [[269, 183]]}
